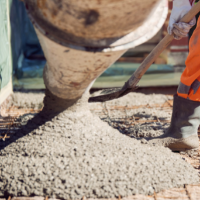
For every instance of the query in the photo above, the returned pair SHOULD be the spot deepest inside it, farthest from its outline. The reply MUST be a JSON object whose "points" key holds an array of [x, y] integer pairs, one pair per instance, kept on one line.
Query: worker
{"points": [[182, 134]]}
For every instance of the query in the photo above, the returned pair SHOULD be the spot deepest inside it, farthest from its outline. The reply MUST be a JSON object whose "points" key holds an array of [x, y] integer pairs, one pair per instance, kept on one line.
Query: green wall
{"points": [[5, 47]]}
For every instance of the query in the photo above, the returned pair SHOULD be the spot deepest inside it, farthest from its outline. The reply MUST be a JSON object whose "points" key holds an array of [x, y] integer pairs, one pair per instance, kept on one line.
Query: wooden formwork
{"points": [[8, 125], [189, 192]]}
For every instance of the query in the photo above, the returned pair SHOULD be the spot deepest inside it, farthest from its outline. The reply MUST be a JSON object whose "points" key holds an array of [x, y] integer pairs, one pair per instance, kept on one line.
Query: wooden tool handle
{"points": [[134, 79]]}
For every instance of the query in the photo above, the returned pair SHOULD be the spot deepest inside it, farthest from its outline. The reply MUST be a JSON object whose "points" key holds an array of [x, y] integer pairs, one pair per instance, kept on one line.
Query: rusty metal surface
{"points": [[95, 19], [69, 71], [144, 31]]}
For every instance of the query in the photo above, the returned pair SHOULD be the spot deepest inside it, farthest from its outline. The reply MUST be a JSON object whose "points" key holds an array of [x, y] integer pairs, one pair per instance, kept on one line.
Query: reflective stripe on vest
{"points": [[183, 89], [195, 86]]}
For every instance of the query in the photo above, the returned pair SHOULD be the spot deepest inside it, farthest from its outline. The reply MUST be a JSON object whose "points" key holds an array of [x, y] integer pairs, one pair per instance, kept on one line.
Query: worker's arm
{"points": [[180, 29]]}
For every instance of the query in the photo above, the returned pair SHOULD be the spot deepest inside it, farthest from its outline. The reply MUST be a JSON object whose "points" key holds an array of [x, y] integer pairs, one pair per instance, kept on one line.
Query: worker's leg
{"points": [[182, 133], [189, 86]]}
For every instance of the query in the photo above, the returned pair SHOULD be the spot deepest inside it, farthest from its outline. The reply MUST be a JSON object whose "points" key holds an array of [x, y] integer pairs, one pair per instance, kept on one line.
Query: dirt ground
{"points": [[136, 115]]}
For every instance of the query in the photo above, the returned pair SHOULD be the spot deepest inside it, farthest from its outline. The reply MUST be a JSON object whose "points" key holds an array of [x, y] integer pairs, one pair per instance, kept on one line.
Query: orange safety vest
{"points": [[189, 86]]}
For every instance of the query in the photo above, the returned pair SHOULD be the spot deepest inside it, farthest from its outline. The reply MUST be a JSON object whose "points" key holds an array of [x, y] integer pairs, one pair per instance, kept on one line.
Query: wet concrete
{"points": [[136, 105], [74, 154], [26, 100], [115, 117]]}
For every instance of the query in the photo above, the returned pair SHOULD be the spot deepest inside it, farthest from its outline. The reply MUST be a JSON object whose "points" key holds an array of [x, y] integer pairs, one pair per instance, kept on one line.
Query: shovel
{"points": [[131, 84]]}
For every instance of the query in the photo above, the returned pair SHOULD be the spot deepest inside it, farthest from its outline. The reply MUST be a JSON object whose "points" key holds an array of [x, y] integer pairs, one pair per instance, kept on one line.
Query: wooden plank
{"points": [[28, 198], [5, 52], [6, 92], [31, 198], [137, 197], [173, 194], [193, 191]]}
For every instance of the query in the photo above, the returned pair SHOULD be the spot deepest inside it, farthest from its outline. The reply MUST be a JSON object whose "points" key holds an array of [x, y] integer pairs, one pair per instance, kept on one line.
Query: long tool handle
{"points": [[134, 79]]}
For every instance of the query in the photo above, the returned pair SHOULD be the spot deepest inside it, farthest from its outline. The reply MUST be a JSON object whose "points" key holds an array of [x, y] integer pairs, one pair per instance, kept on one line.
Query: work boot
{"points": [[182, 133]]}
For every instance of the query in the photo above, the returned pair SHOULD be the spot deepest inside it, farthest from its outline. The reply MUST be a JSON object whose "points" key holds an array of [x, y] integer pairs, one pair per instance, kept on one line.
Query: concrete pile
{"points": [[65, 151], [75, 154]]}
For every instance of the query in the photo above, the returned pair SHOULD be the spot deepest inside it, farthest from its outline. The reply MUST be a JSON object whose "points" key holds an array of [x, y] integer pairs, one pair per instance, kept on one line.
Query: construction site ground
{"points": [[135, 115]]}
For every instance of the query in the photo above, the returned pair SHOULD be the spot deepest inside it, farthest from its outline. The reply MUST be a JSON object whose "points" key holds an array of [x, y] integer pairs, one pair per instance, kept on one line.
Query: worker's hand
{"points": [[182, 29], [180, 8]]}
